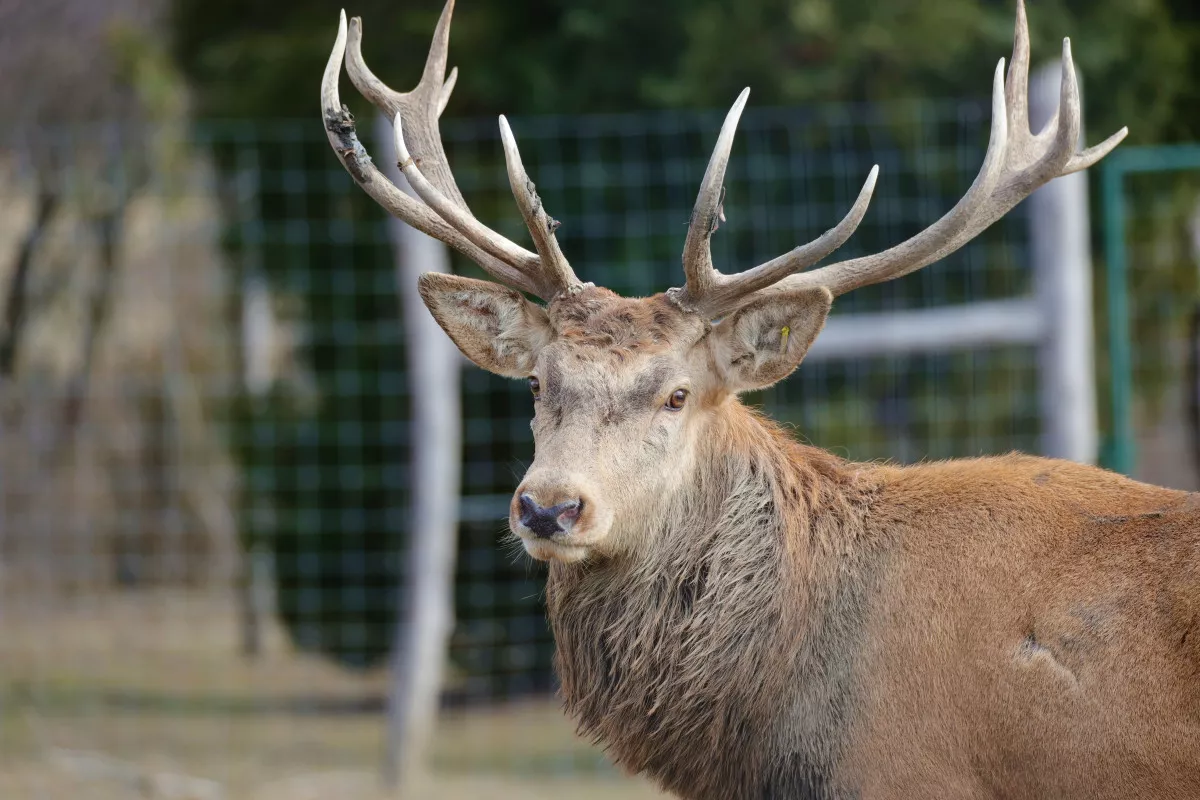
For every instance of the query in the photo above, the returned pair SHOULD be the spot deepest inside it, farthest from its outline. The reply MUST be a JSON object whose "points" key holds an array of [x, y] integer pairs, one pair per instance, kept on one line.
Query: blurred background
{"points": [[214, 577]]}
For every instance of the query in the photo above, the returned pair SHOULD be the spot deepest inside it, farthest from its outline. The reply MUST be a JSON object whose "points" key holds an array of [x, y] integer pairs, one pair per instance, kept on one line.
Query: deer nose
{"points": [[545, 522]]}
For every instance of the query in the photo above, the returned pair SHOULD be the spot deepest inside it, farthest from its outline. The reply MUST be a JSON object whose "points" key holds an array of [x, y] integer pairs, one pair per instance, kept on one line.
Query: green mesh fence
{"points": [[1151, 320], [315, 465]]}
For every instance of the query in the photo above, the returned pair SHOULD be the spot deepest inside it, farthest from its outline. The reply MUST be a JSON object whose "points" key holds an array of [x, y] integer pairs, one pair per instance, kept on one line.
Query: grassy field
{"points": [[144, 696]]}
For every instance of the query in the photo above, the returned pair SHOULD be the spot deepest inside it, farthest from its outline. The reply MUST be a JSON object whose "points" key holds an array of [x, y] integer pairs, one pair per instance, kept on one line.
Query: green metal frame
{"points": [[1119, 452]]}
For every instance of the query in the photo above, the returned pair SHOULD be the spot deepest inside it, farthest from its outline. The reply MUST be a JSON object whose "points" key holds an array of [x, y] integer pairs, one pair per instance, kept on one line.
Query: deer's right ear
{"points": [[763, 341], [494, 326]]}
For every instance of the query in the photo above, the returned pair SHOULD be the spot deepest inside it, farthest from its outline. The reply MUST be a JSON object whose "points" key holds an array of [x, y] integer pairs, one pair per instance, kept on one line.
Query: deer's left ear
{"points": [[764, 341]]}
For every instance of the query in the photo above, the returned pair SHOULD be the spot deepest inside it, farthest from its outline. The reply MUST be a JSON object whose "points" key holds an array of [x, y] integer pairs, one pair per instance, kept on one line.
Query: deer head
{"points": [[625, 388]]}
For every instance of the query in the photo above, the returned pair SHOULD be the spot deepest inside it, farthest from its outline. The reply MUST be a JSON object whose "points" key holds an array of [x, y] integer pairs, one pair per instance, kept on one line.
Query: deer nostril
{"points": [[570, 510], [547, 522], [529, 506]]}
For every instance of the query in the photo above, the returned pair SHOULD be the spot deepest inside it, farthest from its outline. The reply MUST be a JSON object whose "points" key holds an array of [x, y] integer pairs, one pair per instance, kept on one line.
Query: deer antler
{"points": [[1016, 163], [444, 213]]}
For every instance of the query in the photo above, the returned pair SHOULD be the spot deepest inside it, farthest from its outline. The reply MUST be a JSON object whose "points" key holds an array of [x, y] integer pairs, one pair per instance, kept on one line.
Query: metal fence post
{"points": [[1060, 249], [1120, 450]]}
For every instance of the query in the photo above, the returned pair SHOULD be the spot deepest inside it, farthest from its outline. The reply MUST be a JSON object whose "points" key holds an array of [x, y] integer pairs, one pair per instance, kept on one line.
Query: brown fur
{"points": [[602, 319], [1004, 627], [741, 616]]}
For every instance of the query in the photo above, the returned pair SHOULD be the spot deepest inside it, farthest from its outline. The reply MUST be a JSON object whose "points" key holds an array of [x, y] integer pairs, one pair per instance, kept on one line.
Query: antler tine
{"points": [[436, 60], [1059, 139], [707, 213], [1016, 87], [447, 90], [1094, 153], [710, 292], [339, 128], [1017, 163], [541, 226]]}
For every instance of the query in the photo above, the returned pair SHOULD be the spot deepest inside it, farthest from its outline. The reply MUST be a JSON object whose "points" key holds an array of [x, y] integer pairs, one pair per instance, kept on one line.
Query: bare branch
{"points": [[18, 292]]}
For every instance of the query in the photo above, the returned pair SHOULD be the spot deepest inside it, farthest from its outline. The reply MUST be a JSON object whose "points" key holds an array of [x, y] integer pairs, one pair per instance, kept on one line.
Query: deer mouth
{"points": [[562, 551], [554, 534]]}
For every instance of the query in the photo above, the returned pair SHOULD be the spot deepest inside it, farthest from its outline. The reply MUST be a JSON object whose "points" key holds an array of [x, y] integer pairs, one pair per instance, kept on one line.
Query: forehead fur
{"points": [[597, 317]]}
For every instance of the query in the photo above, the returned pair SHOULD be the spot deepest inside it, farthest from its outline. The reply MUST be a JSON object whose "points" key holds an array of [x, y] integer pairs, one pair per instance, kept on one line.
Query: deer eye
{"points": [[535, 386], [677, 399]]}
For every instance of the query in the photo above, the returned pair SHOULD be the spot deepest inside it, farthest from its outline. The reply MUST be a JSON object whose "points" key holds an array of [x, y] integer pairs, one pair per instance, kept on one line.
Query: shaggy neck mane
{"points": [[709, 660]]}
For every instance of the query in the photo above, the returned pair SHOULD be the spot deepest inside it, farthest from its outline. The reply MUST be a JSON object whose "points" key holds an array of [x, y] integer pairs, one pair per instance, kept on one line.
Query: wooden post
{"points": [[1060, 249], [427, 612], [259, 329]]}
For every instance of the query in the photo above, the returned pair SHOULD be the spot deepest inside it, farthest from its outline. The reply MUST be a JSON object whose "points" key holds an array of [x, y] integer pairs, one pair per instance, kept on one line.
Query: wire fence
{"points": [[239, 438]]}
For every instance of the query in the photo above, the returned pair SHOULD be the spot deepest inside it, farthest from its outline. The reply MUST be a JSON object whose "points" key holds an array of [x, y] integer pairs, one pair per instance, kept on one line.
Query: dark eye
{"points": [[677, 399], [535, 386]]}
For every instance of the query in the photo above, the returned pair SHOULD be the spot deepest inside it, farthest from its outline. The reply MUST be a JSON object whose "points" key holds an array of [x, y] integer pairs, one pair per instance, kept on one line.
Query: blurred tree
{"points": [[1133, 55], [93, 144], [60, 68], [532, 56]]}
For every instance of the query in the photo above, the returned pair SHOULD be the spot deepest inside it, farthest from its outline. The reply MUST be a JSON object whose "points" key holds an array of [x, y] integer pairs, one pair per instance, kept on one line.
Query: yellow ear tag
{"points": [[783, 339]]}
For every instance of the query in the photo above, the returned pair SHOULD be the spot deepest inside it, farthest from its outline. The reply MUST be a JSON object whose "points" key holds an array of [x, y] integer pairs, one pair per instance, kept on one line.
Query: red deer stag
{"points": [[738, 615]]}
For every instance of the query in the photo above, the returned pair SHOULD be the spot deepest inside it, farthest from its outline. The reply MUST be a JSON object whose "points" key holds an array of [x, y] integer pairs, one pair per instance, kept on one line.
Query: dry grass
{"points": [[144, 696]]}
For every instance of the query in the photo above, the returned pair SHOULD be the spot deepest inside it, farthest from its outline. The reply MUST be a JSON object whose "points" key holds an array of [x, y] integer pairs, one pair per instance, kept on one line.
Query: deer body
{"points": [[999, 627], [740, 616]]}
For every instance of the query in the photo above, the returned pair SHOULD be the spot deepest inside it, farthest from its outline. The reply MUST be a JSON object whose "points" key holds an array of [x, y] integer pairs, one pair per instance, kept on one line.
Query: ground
{"points": [[145, 696]]}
